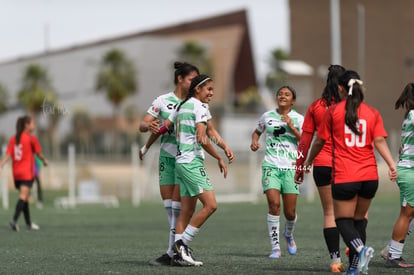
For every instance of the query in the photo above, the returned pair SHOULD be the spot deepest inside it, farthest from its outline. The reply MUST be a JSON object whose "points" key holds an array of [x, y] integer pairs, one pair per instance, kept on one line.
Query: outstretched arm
{"points": [[217, 139]]}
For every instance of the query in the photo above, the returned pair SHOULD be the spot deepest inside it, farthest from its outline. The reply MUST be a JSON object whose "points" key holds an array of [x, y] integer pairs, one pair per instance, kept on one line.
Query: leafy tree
{"points": [[4, 95], [197, 55], [116, 77], [277, 77], [249, 100]]}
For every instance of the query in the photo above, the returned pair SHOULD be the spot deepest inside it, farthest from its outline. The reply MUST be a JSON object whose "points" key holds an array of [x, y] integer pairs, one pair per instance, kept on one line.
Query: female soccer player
{"points": [[190, 121], [22, 149], [282, 127], [405, 180], [353, 127], [169, 187], [161, 108], [322, 166]]}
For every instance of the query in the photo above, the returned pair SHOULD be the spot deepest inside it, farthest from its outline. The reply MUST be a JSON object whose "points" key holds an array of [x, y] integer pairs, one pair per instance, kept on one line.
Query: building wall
{"points": [[389, 44]]}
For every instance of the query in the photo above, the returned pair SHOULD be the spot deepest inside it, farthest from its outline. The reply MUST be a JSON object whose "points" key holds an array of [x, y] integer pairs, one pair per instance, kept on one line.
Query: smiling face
{"points": [[205, 93], [285, 98]]}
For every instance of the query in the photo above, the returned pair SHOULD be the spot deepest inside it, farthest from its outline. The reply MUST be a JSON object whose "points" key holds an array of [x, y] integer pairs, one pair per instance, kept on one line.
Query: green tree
{"points": [[197, 55], [276, 77], [116, 77], [4, 95]]}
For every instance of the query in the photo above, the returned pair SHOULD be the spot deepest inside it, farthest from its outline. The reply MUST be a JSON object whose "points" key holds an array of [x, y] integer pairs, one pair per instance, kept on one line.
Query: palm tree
{"points": [[277, 77], [116, 78], [195, 54], [4, 95]]}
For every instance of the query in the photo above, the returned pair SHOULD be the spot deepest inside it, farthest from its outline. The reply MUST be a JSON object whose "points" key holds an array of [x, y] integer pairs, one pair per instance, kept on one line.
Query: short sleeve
{"points": [[261, 124], [10, 148], [379, 130], [155, 108], [201, 114], [35, 144]]}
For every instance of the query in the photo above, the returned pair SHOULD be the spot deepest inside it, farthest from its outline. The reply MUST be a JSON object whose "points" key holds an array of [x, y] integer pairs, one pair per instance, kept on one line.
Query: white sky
{"points": [[25, 23]]}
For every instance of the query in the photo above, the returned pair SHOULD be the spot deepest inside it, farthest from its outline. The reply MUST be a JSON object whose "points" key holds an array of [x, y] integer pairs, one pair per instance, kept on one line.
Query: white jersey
{"points": [[192, 112], [281, 143], [161, 108], [406, 158]]}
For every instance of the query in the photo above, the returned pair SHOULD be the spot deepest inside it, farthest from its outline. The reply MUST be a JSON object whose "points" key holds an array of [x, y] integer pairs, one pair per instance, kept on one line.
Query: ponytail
{"points": [[350, 80], [330, 92], [406, 99], [20, 126], [198, 81]]}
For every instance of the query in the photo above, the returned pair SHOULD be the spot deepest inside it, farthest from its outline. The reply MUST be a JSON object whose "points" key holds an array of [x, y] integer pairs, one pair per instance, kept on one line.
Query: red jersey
{"points": [[23, 156], [353, 155], [313, 121]]}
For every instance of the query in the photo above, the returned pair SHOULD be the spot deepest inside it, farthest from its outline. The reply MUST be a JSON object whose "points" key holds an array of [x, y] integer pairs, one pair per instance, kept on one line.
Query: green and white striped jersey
{"points": [[161, 108], [406, 158], [192, 112], [281, 143]]}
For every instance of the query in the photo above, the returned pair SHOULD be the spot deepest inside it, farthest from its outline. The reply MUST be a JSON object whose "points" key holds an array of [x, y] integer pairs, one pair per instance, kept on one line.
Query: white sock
{"points": [[189, 233], [290, 227], [178, 237], [176, 208], [273, 225], [410, 227], [396, 250], [168, 209]]}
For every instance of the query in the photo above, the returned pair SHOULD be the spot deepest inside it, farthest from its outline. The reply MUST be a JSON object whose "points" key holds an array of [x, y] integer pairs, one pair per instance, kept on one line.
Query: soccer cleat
{"points": [[14, 226], [364, 256], [351, 271], [397, 263], [384, 252], [275, 254], [33, 226], [183, 255], [337, 267], [165, 259], [290, 244]]}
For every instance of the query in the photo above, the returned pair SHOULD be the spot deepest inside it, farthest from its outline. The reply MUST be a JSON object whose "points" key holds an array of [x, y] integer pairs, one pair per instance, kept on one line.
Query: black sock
{"points": [[18, 210], [26, 213], [361, 226], [331, 235], [349, 234]]}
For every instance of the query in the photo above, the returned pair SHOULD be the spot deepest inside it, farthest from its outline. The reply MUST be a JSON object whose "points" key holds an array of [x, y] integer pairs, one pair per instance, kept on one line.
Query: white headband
{"points": [[208, 78], [351, 83]]}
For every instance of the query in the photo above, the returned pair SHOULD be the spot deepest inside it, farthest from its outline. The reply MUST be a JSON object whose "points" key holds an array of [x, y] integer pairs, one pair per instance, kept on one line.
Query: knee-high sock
{"points": [[290, 227], [176, 209], [189, 233], [26, 213], [273, 225], [18, 209], [168, 209], [332, 240], [352, 239], [361, 227]]}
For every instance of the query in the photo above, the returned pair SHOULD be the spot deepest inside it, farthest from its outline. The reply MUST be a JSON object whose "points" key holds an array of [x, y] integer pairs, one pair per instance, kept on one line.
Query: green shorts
{"points": [[193, 178], [280, 179], [166, 171], [405, 181]]}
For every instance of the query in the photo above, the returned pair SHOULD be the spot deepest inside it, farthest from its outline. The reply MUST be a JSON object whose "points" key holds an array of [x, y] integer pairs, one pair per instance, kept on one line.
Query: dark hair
{"points": [[406, 99], [183, 69], [290, 88], [200, 80], [353, 101], [330, 92], [20, 124]]}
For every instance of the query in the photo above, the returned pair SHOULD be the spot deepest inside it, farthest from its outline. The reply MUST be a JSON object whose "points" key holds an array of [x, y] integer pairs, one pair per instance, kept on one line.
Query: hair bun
{"points": [[178, 64]]}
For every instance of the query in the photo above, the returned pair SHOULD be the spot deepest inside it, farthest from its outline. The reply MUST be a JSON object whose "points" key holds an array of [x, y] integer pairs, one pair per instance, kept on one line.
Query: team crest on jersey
{"points": [[155, 109]]}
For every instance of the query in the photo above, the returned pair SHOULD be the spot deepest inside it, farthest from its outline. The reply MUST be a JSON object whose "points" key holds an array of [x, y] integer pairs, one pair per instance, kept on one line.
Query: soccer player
{"points": [[22, 148], [161, 108], [282, 128], [405, 167], [190, 122], [322, 166], [353, 128]]}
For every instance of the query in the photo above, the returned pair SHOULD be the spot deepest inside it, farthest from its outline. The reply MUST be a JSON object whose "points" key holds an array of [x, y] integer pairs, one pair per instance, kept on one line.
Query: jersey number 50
{"points": [[351, 139]]}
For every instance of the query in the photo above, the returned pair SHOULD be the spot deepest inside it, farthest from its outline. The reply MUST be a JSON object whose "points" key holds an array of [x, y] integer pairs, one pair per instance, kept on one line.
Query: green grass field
{"points": [[99, 240]]}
